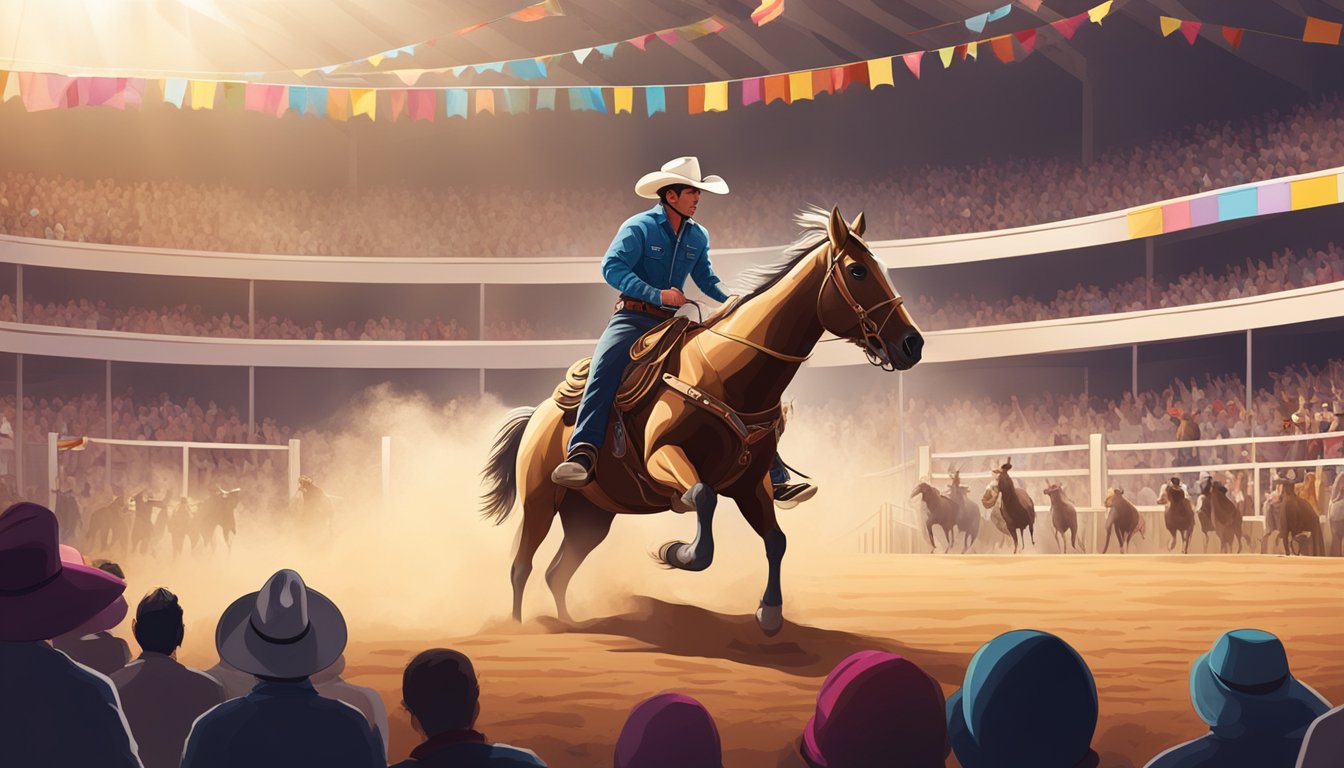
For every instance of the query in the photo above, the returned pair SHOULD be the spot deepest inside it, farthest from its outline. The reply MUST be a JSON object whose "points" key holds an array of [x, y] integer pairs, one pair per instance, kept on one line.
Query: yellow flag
{"points": [[376, 59], [1169, 25], [302, 72], [364, 102], [879, 72], [624, 96], [203, 94], [12, 87], [1098, 13], [716, 97], [972, 48], [800, 86], [946, 55]]}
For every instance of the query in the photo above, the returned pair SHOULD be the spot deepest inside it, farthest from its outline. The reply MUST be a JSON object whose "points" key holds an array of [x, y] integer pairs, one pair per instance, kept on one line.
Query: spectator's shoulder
{"points": [[1191, 754], [506, 756]]}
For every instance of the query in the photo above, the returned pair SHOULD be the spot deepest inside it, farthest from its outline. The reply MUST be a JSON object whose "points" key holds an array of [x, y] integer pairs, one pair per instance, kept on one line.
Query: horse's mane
{"points": [[759, 278]]}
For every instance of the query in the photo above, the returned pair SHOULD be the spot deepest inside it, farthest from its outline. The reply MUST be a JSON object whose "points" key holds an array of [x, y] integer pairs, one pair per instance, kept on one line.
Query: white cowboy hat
{"points": [[286, 630], [683, 170]]}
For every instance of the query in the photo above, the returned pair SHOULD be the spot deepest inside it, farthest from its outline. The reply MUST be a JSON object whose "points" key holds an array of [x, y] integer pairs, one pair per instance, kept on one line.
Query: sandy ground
{"points": [[1138, 620]]}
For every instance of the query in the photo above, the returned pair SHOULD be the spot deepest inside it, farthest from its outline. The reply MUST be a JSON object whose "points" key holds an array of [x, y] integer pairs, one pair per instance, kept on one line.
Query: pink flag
{"points": [[1034, 5], [398, 103], [1027, 39], [668, 36], [912, 62], [277, 99], [1067, 27], [641, 41], [422, 104], [254, 98], [1191, 30], [751, 91]]}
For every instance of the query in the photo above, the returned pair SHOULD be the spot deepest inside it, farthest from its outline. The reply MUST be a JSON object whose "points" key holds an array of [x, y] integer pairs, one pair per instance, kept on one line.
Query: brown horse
{"points": [[1227, 522], [691, 450], [1179, 516], [967, 516], [1123, 520], [1016, 506], [938, 511], [1063, 518], [1297, 518]]}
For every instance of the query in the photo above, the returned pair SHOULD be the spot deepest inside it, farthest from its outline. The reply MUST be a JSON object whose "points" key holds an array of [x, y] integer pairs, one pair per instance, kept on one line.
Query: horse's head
{"points": [[991, 495], [1001, 478], [1052, 490], [1111, 495], [922, 489], [858, 301]]}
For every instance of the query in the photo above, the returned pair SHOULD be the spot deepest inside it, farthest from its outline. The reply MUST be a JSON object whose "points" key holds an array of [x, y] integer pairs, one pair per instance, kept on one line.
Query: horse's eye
{"points": [[858, 271]]}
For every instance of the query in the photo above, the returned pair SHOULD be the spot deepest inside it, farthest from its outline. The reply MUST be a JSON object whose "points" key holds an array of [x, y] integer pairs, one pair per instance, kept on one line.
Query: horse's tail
{"points": [[501, 468]]}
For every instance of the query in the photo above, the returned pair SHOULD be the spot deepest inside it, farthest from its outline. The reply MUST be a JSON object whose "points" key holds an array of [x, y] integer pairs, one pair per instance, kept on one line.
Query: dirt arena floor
{"points": [[1138, 620]]}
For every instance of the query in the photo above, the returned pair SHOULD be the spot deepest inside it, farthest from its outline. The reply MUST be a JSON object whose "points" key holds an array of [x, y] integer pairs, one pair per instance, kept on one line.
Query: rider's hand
{"points": [[672, 297]]}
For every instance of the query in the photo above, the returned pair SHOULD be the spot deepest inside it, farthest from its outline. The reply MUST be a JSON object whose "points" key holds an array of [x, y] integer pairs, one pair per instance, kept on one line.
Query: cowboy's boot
{"points": [[576, 470], [790, 495]]}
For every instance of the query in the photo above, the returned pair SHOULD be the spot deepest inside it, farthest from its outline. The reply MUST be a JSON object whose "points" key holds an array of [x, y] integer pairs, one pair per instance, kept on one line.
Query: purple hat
{"points": [[669, 731], [105, 619], [41, 597], [873, 708]]}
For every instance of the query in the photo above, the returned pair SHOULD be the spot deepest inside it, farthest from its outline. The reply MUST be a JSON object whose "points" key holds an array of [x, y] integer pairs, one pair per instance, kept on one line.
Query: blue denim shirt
{"points": [[646, 257]]}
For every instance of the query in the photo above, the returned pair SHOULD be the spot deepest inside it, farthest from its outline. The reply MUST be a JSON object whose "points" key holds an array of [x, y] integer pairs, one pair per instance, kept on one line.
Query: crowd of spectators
{"points": [[485, 221], [271, 700], [1283, 271]]}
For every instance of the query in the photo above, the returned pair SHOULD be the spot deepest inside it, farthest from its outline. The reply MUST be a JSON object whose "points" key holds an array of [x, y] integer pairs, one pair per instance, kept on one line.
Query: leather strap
{"points": [[627, 303]]}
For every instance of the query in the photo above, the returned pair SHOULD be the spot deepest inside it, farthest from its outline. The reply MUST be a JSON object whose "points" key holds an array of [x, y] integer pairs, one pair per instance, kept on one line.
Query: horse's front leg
{"points": [[759, 511], [669, 465]]}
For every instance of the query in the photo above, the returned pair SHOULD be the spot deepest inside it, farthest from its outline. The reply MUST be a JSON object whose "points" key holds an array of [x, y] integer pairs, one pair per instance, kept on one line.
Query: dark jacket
{"points": [[468, 749], [282, 725]]}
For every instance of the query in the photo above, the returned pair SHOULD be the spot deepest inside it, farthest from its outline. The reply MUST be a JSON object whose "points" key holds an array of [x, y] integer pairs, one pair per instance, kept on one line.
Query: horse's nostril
{"points": [[912, 345]]}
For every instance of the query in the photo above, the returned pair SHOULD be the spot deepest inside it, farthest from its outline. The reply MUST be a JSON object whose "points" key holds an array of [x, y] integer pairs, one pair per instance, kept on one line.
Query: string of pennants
{"points": [[1315, 31], [44, 90]]}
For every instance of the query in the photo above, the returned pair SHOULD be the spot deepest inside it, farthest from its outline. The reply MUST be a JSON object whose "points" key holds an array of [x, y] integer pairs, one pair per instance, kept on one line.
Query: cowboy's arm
{"points": [[627, 248], [702, 272]]}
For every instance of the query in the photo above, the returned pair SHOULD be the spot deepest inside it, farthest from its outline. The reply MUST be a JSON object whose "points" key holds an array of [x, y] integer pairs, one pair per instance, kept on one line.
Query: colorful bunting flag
{"points": [[977, 23], [777, 89], [421, 104], [12, 87], [397, 104], [1032, 5], [854, 73], [961, 51], [821, 82], [668, 36], [1003, 48], [538, 12], [768, 11], [408, 77], [800, 86], [1099, 12], [364, 102], [233, 96], [1027, 39], [695, 99], [203, 94], [606, 50], [298, 98], [912, 61], [1000, 12], [1233, 36], [582, 53], [317, 102], [623, 99], [546, 99], [641, 41], [946, 55], [752, 89], [716, 97], [655, 100], [1321, 31], [1191, 30], [515, 101], [972, 49], [1168, 25], [455, 103], [1067, 27], [879, 72]]}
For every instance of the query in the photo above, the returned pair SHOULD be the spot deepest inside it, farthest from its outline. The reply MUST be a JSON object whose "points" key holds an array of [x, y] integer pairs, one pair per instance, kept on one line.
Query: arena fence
{"points": [[898, 526]]}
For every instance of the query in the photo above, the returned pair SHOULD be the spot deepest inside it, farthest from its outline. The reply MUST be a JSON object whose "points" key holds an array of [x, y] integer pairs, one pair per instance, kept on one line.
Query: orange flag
{"points": [[777, 89], [1003, 48], [1233, 36], [1321, 31], [821, 82], [695, 97]]}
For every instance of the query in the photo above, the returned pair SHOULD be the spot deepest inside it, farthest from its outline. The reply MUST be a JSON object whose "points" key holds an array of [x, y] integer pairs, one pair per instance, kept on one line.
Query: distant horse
{"points": [[968, 517], [1179, 516], [68, 515], [143, 529], [1018, 510], [1204, 514], [1122, 519], [109, 527], [1063, 517], [317, 510], [217, 511], [180, 525], [705, 423], [1227, 520], [1297, 519], [938, 511]]}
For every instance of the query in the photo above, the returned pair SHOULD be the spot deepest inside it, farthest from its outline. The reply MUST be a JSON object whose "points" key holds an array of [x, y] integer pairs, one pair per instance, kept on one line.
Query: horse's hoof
{"points": [[668, 553], [770, 618]]}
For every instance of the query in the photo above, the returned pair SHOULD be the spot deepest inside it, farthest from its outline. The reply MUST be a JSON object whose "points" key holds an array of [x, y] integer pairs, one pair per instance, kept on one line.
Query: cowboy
{"points": [[282, 634], [1256, 710], [57, 712], [648, 262]]}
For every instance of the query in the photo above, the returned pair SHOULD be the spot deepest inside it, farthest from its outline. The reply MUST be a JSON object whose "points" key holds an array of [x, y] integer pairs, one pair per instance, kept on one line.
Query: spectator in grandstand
{"points": [[1323, 744], [57, 712], [329, 683], [440, 690], [92, 643], [283, 634], [1015, 684], [1256, 710], [877, 708], [162, 698], [669, 730]]}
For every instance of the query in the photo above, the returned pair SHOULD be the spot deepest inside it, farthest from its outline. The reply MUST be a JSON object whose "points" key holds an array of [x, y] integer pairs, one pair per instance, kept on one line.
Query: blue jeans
{"points": [[610, 360]]}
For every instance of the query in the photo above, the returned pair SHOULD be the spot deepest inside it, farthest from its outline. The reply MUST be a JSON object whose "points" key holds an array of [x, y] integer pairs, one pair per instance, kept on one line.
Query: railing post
{"points": [[186, 470], [51, 470], [1255, 469], [924, 463], [1096, 473], [293, 469]]}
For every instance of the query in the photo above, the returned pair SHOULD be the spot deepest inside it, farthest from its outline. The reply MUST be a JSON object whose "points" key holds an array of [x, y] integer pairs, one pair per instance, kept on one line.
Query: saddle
{"points": [[648, 359]]}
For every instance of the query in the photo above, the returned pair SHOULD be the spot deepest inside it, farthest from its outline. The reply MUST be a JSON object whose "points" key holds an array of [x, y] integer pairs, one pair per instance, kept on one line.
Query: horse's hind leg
{"points": [[538, 514], [669, 465], [586, 525]]}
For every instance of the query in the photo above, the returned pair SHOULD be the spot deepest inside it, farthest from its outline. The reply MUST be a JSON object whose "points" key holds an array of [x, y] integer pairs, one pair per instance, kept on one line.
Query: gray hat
{"points": [[286, 630]]}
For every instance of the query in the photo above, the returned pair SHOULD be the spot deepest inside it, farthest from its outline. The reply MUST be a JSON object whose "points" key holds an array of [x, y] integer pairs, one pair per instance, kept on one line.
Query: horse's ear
{"points": [[837, 229], [859, 225]]}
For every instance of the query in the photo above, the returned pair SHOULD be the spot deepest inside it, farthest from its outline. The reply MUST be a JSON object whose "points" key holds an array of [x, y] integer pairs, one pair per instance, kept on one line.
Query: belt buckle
{"points": [[692, 393]]}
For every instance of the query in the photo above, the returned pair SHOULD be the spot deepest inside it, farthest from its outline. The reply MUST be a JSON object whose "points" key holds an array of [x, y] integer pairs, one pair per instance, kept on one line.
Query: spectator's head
{"points": [[42, 597], [286, 631], [669, 731], [440, 690], [158, 624], [1028, 699], [877, 708], [1244, 681]]}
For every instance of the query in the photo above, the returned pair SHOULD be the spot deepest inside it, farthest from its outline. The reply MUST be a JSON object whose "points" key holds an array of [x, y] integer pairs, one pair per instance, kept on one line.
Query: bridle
{"points": [[873, 347]]}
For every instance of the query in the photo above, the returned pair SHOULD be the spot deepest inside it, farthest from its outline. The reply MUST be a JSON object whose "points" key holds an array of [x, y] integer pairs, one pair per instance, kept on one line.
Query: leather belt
{"points": [[625, 302]]}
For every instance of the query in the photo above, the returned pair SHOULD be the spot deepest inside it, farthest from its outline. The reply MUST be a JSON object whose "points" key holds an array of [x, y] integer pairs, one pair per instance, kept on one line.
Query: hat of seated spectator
{"points": [[1245, 676], [42, 597], [284, 631], [1018, 684], [105, 619], [877, 708], [683, 170], [669, 731]]}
